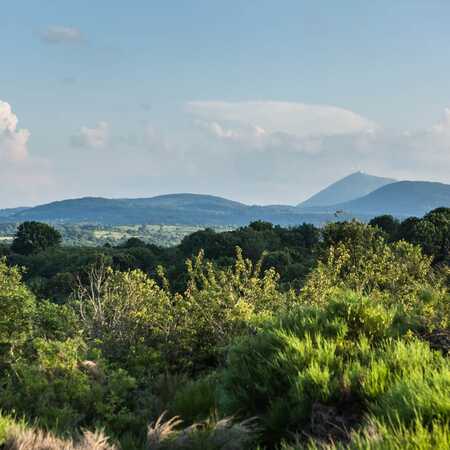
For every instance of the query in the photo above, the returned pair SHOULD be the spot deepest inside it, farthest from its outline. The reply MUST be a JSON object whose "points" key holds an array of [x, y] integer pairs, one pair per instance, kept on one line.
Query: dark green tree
{"points": [[407, 229], [35, 237], [389, 224], [133, 242]]}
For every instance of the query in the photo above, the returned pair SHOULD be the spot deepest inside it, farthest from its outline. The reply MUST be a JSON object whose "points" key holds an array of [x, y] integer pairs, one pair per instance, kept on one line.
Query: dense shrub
{"points": [[133, 319], [341, 360], [62, 389], [398, 271], [17, 311]]}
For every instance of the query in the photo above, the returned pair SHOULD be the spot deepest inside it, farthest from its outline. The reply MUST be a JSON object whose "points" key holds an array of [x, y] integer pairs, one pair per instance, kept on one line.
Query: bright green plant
{"points": [[17, 309], [398, 271], [347, 355]]}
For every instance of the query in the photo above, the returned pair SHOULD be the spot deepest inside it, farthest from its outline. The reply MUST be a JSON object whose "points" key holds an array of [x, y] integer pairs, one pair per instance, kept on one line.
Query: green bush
{"points": [[62, 389], [396, 271], [17, 309], [343, 359], [196, 400], [377, 435]]}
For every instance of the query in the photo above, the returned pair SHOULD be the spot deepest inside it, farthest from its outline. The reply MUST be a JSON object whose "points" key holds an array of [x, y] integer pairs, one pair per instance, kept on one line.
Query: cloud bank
{"points": [[263, 118]]}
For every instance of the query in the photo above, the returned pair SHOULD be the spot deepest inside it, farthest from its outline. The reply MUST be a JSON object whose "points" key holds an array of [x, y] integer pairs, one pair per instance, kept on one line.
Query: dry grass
{"points": [[33, 439], [221, 434], [159, 432]]}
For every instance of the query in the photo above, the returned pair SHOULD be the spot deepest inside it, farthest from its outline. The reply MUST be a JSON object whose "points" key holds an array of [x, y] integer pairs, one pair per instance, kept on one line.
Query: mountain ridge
{"points": [[401, 199], [406, 198], [351, 187]]}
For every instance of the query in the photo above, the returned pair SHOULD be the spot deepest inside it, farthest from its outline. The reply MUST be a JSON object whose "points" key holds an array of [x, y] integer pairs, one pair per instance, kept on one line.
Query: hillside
{"points": [[349, 188], [173, 209], [401, 199], [8, 212], [404, 198]]}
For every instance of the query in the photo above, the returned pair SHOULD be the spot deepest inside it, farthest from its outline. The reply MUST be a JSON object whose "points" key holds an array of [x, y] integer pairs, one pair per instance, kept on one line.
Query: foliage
{"points": [[378, 435], [363, 261], [105, 338], [34, 237], [62, 390], [129, 315], [211, 434], [17, 309], [345, 358], [196, 399], [387, 223]]}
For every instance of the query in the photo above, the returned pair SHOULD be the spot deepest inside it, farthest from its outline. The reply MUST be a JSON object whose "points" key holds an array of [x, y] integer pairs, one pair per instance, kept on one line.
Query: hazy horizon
{"points": [[259, 103]]}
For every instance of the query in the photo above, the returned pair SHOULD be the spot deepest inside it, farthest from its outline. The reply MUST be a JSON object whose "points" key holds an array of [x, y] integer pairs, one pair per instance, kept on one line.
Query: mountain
{"points": [[181, 209], [403, 198], [9, 212], [175, 208], [349, 188]]}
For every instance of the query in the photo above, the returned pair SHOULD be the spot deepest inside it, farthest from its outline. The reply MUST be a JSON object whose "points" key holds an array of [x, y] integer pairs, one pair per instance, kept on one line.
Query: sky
{"points": [[254, 100]]}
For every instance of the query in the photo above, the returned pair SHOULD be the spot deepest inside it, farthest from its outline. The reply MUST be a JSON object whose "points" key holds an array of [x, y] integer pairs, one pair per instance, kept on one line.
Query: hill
{"points": [[404, 198], [173, 209], [8, 212], [349, 188]]}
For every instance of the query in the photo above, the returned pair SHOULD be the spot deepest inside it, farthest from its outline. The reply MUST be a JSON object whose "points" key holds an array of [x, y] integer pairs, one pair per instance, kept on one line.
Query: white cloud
{"points": [[13, 141], [260, 120], [94, 138], [23, 178], [57, 34]]}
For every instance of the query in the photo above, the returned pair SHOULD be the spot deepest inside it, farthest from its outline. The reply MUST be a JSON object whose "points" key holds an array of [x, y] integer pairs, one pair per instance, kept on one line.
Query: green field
{"points": [[93, 235]]}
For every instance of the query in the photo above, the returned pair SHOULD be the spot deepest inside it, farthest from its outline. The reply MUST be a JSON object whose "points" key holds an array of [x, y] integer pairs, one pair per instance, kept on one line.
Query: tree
{"points": [[260, 225], [133, 242], [407, 229], [433, 234], [35, 237], [364, 262], [388, 224], [17, 305]]}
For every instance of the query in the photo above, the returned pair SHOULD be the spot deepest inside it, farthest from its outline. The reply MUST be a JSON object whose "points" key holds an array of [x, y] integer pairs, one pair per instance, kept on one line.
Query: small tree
{"points": [[35, 237], [364, 262], [389, 224], [17, 306]]}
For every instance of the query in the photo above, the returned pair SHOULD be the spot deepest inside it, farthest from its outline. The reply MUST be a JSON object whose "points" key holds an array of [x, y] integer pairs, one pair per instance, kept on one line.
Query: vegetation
{"points": [[87, 235], [269, 338], [35, 237]]}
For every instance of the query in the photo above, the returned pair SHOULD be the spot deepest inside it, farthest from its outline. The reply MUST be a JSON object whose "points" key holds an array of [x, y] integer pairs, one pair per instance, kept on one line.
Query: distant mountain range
{"points": [[357, 195], [349, 188], [404, 198]]}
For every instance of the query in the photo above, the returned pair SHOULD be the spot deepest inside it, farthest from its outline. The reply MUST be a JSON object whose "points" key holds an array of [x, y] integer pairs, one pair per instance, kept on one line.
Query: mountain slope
{"points": [[173, 209], [8, 212], [185, 208], [404, 198], [349, 188]]}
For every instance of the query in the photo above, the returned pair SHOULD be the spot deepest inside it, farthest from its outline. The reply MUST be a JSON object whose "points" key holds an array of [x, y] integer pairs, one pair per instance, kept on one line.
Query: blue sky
{"points": [[260, 101]]}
